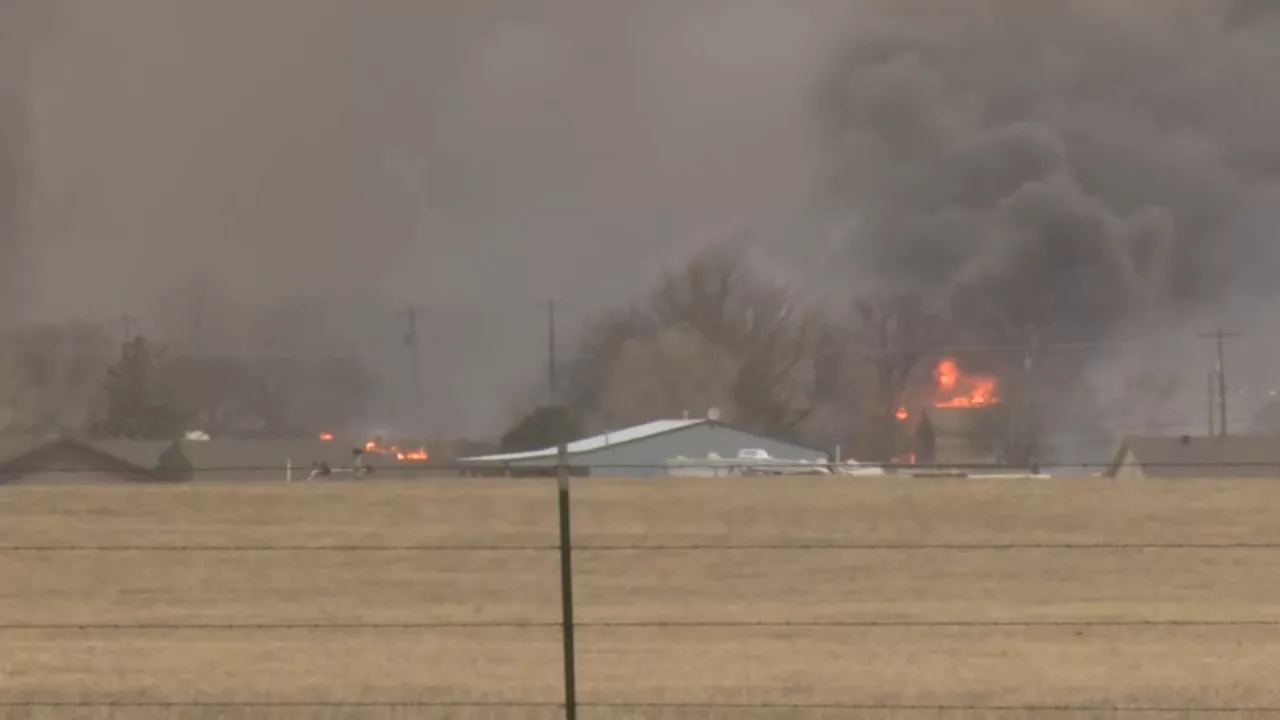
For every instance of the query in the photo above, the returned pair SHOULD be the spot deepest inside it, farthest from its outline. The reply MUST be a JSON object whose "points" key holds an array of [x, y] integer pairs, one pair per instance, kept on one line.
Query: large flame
{"points": [[956, 389], [419, 454], [326, 437]]}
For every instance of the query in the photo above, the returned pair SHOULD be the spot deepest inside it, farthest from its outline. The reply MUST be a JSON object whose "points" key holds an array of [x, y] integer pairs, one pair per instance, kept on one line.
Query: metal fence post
{"points": [[566, 587]]}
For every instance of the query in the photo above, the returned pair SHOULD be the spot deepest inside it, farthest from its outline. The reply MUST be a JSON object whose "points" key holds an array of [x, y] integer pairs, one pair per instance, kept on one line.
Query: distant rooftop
{"points": [[595, 442], [1237, 456]]}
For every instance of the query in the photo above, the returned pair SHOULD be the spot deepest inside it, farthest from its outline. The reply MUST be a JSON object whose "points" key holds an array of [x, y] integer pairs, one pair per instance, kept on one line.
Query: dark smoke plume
{"points": [[1065, 164], [477, 157]]}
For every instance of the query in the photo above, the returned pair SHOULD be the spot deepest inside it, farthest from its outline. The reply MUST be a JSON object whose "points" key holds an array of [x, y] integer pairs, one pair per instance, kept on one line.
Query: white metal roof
{"points": [[596, 442]]}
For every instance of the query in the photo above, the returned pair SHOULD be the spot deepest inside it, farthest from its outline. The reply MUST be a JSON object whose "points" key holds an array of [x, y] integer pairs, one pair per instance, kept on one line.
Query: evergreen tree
{"points": [[141, 405]]}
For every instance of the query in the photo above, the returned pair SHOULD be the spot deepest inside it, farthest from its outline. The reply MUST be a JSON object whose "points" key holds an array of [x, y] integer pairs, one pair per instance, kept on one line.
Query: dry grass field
{"points": [[916, 659]]}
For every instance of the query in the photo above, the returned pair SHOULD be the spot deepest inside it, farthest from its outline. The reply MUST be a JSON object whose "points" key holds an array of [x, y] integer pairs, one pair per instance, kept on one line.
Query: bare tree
{"points": [[667, 372], [590, 371], [891, 336], [716, 328]]}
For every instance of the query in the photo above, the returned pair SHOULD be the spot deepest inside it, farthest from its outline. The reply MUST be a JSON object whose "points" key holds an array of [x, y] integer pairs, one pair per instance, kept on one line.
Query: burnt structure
{"points": [[966, 436]]}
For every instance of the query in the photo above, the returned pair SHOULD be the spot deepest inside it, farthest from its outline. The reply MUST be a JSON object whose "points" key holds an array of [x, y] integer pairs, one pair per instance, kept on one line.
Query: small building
{"points": [[963, 436], [643, 450], [60, 460], [1188, 458]]}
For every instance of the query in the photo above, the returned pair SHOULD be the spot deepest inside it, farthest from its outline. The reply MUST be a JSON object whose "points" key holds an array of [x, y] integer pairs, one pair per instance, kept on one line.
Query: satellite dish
{"points": [[713, 414]]}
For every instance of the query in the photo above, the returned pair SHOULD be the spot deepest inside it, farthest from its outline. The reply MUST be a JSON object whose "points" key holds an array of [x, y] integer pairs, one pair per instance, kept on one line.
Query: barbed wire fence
{"points": [[567, 550]]}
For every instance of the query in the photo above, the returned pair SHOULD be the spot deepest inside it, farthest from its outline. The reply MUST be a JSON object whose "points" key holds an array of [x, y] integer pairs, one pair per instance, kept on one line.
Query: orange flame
{"points": [[903, 414], [957, 389], [326, 437], [948, 375], [414, 455]]}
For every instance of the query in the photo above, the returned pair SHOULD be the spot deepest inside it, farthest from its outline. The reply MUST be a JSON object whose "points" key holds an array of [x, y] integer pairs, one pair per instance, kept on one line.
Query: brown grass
{"points": [[1152, 666]]}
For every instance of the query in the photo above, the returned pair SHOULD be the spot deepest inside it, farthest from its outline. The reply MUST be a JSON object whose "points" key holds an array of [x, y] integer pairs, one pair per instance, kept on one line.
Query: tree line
{"points": [[723, 332], [69, 378], [720, 331]]}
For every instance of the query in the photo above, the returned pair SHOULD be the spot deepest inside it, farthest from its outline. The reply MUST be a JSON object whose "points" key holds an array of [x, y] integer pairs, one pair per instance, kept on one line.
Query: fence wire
{"points": [[677, 706], [682, 706]]}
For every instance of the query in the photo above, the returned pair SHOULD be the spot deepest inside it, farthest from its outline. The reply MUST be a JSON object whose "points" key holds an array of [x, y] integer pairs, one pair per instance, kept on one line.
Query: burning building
{"points": [[407, 454], [962, 420]]}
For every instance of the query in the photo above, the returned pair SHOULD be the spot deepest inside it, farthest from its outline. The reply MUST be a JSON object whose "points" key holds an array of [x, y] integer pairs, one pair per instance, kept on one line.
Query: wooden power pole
{"points": [[415, 369], [553, 390]]}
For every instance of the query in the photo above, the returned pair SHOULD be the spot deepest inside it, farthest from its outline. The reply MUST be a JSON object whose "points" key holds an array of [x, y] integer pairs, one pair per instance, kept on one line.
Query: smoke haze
{"points": [[419, 147], [22, 24], [478, 157]]}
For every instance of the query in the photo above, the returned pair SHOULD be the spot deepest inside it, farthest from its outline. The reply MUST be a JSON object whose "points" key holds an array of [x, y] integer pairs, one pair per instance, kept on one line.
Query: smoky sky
{"points": [[1071, 164], [545, 147], [487, 155], [22, 26], [474, 157]]}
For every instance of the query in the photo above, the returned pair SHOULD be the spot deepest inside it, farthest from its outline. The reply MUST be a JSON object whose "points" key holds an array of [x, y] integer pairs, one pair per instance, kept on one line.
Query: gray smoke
{"points": [[474, 158], [478, 157], [1068, 164], [22, 25]]}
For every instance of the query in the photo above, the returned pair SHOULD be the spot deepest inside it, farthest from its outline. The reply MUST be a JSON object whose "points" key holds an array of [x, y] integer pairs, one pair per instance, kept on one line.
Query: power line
{"points": [[553, 391], [641, 705], [678, 547], [927, 708], [292, 705], [439, 625], [638, 625], [1220, 337], [415, 368], [275, 548]]}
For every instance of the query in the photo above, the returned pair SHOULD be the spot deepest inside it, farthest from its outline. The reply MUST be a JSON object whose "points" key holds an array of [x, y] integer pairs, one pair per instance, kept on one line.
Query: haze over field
{"points": [[1081, 165]]}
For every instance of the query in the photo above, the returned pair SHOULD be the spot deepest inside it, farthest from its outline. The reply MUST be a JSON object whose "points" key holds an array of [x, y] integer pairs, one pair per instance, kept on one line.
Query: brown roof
{"points": [[12, 448], [1239, 456], [142, 453], [24, 456], [188, 458], [136, 453]]}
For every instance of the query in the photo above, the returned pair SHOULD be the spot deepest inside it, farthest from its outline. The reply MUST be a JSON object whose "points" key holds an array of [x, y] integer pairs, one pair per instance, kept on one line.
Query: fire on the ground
{"points": [[378, 447]]}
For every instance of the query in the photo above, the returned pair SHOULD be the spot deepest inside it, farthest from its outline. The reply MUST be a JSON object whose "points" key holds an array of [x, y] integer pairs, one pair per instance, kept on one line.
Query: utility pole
{"points": [[553, 391], [1033, 425], [126, 324], [1212, 401], [415, 372], [1220, 337]]}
